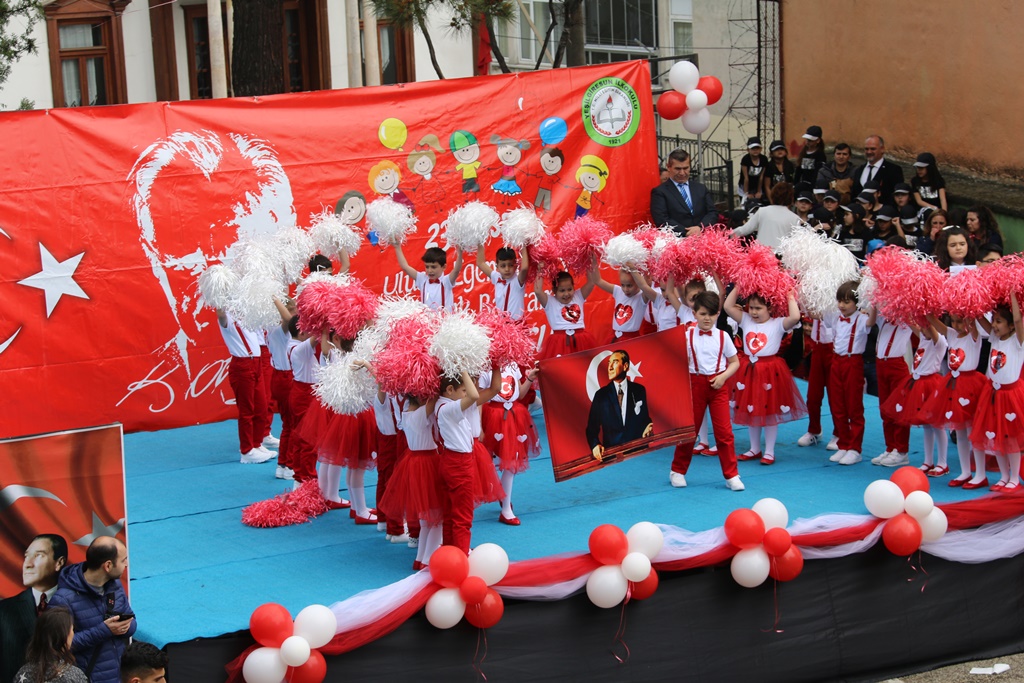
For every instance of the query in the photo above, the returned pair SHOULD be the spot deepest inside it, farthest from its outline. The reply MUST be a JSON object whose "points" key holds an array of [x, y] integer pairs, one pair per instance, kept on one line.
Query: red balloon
{"points": [[473, 590], [910, 479], [788, 565], [449, 566], [744, 528], [712, 87], [607, 543], [777, 541], [902, 534], [313, 671], [270, 624], [644, 589], [671, 105], [487, 612]]}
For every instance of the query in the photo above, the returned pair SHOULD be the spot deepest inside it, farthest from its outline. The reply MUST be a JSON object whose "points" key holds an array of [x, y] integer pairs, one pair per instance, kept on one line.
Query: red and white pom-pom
{"points": [[677, 260], [521, 227], [217, 284], [405, 365], [654, 239], [272, 513], [820, 264], [253, 303], [331, 235], [968, 294], [511, 341], [581, 243], [293, 247], [321, 276], [908, 285], [460, 344], [315, 302], [342, 388], [545, 259], [469, 226], [626, 250], [371, 339], [1004, 276], [717, 251], [308, 499], [392, 221], [352, 307], [760, 273]]}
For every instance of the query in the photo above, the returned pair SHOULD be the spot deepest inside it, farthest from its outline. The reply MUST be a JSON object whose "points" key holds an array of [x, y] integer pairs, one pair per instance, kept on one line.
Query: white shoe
{"points": [[401, 538], [808, 439], [877, 460], [895, 459], [833, 443], [734, 483], [266, 451], [677, 480], [289, 474], [271, 441], [414, 543], [255, 456], [837, 456], [383, 526], [851, 458]]}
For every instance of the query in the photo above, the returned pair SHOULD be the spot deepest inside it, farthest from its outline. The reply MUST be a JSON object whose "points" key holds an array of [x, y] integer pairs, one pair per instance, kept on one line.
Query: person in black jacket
{"points": [[887, 173], [680, 203]]}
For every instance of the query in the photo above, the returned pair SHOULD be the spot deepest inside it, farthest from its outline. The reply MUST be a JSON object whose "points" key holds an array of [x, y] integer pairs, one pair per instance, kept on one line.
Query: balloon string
{"points": [[918, 567], [620, 634], [775, 602], [480, 634]]}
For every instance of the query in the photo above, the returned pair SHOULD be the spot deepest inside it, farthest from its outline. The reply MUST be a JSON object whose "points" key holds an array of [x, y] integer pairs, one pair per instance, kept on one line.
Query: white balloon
{"points": [[646, 538], [445, 608], [696, 100], [489, 561], [317, 624], [295, 651], [607, 587], [683, 77], [934, 526], [636, 567], [264, 665], [919, 505], [697, 122], [772, 512], [883, 499], [750, 567]]}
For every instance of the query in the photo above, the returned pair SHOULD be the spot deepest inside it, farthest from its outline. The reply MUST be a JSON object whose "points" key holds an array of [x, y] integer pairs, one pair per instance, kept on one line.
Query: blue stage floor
{"points": [[197, 571]]}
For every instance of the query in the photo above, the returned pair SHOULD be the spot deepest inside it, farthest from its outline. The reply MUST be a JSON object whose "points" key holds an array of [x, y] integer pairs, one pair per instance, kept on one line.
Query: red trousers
{"points": [[267, 373], [892, 372], [303, 453], [280, 391], [717, 401], [846, 396], [817, 381], [458, 474], [387, 458], [251, 398]]}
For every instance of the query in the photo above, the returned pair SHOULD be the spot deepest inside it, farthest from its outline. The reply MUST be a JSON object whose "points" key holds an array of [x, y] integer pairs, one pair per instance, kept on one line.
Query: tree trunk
{"points": [[572, 31], [495, 50], [547, 35], [257, 60], [577, 53], [430, 46]]}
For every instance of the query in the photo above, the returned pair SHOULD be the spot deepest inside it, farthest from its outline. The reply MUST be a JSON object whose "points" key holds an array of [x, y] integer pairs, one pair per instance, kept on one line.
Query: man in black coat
{"points": [[680, 203], [44, 558], [619, 412], [888, 174]]}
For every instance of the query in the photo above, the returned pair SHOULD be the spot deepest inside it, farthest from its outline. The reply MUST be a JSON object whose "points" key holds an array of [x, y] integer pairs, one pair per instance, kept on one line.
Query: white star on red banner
{"points": [[56, 278]]}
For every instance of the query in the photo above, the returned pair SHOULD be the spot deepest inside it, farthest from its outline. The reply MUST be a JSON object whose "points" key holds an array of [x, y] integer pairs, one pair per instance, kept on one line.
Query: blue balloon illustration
{"points": [[553, 130]]}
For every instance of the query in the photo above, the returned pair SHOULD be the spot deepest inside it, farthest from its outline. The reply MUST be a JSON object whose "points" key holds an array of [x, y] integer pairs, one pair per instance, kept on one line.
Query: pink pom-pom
{"points": [[968, 294], [678, 260], [648, 235], [545, 258], [314, 305], [908, 287], [352, 307], [307, 499], [275, 512], [404, 365], [1004, 276], [581, 242], [759, 272], [511, 341], [717, 251]]}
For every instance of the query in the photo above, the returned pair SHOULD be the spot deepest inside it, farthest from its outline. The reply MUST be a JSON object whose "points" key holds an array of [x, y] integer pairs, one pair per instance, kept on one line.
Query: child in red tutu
{"points": [[509, 433], [912, 402], [563, 307], [999, 421], [631, 296], [305, 359], [766, 394], [956, 401]]}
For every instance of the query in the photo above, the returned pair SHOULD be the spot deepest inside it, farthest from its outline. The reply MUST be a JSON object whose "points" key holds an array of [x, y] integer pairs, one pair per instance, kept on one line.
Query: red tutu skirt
{"points": [[414, 490], [766, 394], [954, 404], [347, 440], [488, 486], [999, 420], [509, 435], [560, 343], [912, 402]]}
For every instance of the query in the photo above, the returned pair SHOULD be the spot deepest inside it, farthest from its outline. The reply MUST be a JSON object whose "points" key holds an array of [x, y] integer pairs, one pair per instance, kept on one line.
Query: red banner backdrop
{"points": [[581, 410], [71, 484], [110, 213]]}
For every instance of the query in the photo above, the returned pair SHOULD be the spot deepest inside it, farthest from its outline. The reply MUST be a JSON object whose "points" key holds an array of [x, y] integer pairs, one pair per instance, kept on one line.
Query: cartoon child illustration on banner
{"points": [[510, 153], [384, 178], [466, 151], [592, 175], [422, 160], [352, 208]]}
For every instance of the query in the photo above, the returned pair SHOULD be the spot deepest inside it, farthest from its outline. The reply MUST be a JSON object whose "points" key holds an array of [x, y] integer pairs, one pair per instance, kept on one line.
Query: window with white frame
{"points": [[521, 41], [618, 30], [681, 12]]}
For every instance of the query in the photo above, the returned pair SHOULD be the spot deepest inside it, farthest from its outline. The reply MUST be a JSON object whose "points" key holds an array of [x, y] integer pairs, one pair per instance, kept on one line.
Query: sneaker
{"points": [[851, 458], [808, 439], [833, 443], [255, 456], [271, 441], [414, 542], [877, 460], [383, 526], [289, 474], [837, 456], [734, 483], [266, 451], [677, 480], [401, 538], [279, 472], [895, 459]]}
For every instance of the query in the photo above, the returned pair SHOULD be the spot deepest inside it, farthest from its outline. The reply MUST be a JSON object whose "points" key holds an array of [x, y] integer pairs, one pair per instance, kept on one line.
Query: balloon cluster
{"points": [[626, 570], [766, 548], [467, 585], [690, 97], [904, 501], [289, 651]]}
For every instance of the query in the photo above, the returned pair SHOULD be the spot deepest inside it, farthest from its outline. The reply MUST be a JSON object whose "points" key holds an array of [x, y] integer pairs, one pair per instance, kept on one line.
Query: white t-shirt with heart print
{"points": [[627, 316], [565, 316], [762, 339]]}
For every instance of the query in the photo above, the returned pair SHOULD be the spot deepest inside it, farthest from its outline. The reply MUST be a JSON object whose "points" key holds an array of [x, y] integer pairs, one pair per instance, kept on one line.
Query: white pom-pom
{"points": [[293, 247], [623, 250], [460, 345], [390, 220], [521, 227], [345, 390], [332, 236], [469, 225], [253, 302], [371, 339], [866, 288], [255, 256], [820, 264], [217, 284]]}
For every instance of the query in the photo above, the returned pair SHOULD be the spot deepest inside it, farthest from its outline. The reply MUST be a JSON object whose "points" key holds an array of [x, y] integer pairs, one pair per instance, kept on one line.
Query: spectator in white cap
{"points": [[752, 171], [853, 234], [928, 185], [884, 227], [887, 173], [812, 157], [780, 168], [804, 205], [831, 202], [901, 196], [910, 225]]}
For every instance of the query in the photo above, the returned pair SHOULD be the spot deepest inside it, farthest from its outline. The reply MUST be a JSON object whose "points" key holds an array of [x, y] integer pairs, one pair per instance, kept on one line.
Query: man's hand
{"points": [[694, 230], [598, 452], [118, 628], [648, 430]]}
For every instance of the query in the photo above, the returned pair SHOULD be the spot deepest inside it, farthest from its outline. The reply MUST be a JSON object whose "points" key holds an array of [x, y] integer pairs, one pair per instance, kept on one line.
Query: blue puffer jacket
{"points": [[92, 637]]}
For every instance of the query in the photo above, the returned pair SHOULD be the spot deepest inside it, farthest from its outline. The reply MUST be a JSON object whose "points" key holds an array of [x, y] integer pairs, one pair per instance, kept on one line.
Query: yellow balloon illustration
{"points": [[392, 133]]}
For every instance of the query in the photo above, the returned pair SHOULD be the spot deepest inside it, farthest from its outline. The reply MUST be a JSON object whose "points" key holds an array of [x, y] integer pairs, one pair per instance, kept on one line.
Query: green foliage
{"points": [[464, 12], [26, 104], [17, 18]]}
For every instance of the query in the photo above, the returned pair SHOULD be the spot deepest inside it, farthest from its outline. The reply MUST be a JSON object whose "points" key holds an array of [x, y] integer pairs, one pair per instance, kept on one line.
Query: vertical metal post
{"points": [[760, 71], [700, 156]]}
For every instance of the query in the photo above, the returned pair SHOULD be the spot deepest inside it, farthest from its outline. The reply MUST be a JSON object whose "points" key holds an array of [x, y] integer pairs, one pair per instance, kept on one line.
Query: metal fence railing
{"points": [[712, 165]]}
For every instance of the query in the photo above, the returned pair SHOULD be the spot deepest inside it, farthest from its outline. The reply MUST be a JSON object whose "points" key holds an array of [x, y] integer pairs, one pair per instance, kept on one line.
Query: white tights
{"points": [[771, 432], [935, 439], [329, 478], [354, 479], [430, 540], [507, 478]]}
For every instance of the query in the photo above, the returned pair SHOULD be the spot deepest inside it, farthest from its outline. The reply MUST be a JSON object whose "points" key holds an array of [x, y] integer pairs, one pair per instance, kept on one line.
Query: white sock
{"points": [[357, 491], [980, 474], [506, 503], [1014, 459], [421, 547], [1004, 466], [963, 449], [329, 478], [941, 440], [702, 433], [431, 537], [771, 432], [929, 445], [755, 439]]}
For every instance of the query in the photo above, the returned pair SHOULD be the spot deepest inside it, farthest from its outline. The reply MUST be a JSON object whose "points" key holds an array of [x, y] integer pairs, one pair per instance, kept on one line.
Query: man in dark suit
{"points": [[44, 558], [680, 203], [619, 411], [888, 174]]}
